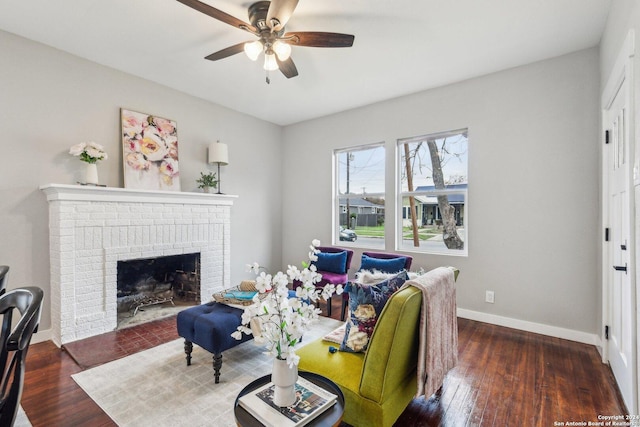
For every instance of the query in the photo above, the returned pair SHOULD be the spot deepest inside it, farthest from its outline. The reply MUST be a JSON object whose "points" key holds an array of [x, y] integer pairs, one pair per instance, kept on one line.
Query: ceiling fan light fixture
{"points": [[270, 63], [282, 49], [253, 49]]}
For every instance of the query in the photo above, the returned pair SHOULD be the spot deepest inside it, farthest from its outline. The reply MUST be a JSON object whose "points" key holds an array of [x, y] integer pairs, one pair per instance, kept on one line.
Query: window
{"points": [[360, 196], [432, 177]]}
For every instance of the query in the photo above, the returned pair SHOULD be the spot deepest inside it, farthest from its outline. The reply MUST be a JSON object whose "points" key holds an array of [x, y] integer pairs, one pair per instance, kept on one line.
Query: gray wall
{"points": [[50, 100], [533, 193], [533, 184]]}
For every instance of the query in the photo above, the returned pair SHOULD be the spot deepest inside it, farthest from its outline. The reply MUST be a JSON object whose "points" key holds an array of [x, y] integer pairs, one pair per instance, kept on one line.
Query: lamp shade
{"points": [[270, 63], [218, 153], [253, 49]]}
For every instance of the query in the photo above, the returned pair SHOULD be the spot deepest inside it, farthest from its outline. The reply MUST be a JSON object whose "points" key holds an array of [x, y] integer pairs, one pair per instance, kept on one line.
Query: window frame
{"points": [[401, 195], [337, 195]]}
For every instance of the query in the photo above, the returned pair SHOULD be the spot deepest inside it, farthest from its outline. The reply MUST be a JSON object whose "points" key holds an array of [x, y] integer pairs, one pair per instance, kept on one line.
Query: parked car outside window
{"points": [[348, 235]]}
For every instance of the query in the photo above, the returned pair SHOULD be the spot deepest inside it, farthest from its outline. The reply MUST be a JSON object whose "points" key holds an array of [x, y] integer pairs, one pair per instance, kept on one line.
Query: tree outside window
{"points": [[433, 192]]}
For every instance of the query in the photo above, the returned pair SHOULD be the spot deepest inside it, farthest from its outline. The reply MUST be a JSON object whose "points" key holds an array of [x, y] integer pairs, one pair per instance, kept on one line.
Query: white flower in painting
{"points": [[169, 170], [132, 125], [137, 161], [152, 145]]}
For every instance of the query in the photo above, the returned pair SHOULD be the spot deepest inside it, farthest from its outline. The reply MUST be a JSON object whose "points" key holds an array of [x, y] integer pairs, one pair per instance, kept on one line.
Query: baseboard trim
{"points": [[538, 328], [41, 336]]}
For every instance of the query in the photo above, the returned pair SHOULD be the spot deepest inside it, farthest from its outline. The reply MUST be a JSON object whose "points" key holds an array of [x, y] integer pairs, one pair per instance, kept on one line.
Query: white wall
{"points": [[50, 100], [533, 184]]}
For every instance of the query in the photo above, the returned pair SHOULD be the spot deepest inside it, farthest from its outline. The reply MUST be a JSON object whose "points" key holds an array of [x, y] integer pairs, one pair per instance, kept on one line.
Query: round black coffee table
{"points": [[329, 418]]}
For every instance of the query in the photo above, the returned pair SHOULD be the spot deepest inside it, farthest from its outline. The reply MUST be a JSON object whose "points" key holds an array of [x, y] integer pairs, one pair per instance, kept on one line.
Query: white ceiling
{"points": [[401, 46]]}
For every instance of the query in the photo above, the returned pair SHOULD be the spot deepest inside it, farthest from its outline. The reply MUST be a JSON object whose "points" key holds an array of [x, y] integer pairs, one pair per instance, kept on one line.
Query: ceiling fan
{"points": [[268, 19]]}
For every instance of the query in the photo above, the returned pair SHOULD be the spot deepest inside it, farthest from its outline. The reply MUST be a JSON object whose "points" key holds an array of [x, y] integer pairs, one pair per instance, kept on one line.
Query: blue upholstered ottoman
{"points": [[210, 326]]}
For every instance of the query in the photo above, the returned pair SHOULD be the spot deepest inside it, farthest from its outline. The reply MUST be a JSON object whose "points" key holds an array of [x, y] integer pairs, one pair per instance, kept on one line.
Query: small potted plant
{"points": [[207, 181]]}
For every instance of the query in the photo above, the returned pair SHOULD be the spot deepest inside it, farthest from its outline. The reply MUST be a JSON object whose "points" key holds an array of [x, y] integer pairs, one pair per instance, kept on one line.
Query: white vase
{"points": [[284, 378], [91, 174]]}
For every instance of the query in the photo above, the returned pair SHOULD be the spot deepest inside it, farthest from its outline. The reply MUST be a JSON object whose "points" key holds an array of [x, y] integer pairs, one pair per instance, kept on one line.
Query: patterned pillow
{"points": [[366, 302]]}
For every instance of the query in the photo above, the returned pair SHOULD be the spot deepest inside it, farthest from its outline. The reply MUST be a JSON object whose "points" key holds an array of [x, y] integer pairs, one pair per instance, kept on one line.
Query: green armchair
{"points": [[379, 384]]}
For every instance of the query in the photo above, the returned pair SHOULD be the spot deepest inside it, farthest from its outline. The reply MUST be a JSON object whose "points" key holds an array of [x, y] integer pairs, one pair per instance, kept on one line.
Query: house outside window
{"points": [[359, 196], [432, 193]]}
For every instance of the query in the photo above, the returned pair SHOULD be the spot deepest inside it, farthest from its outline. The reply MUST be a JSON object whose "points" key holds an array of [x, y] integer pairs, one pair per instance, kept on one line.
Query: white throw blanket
{"points": [[438, 349]]}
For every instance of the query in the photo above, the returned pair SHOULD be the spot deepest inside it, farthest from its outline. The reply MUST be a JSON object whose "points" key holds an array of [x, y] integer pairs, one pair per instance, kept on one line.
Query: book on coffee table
{"points": [[311, 401]]}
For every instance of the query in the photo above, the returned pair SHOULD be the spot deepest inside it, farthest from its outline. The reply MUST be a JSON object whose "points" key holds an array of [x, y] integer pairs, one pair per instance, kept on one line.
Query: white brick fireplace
{"points": [[92, 228]]}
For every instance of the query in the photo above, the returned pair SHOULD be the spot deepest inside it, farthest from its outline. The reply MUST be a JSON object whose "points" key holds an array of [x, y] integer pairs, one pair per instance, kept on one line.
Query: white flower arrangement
{"points": [[89, 152], [278, 321]]}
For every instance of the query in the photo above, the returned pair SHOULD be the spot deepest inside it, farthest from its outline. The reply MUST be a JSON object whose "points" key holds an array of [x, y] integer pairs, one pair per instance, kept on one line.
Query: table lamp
{"points": [[218, 154]]}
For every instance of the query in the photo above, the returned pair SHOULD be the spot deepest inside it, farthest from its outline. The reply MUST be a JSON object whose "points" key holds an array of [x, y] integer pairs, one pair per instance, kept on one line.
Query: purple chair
{"points": [[381, 261], [333, 264]]}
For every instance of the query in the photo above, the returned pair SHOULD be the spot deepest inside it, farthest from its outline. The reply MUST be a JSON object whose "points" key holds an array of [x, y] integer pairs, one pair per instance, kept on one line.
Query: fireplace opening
{"points": [[152, 288]]}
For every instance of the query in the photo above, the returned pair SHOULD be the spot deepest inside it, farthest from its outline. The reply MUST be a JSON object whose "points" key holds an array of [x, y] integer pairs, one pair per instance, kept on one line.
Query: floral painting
{"points": [[150, 152]]}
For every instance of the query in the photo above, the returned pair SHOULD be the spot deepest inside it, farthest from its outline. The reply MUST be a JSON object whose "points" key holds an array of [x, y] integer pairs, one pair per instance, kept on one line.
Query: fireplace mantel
{"points": [[92, 228], [113, 194]]}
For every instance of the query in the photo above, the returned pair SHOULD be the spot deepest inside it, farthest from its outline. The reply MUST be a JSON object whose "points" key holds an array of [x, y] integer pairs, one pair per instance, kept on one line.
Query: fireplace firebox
{"points": [[157, 283]]}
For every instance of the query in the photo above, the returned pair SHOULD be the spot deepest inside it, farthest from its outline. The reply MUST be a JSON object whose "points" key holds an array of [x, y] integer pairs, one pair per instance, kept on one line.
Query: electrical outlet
{"points": [[489, 297]]}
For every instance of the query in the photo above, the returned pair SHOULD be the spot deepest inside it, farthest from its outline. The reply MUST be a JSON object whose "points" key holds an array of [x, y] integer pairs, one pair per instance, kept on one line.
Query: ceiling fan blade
{"points": [[281, 11], [288, 68], [221, 54], [219, 15], [318, 39]]}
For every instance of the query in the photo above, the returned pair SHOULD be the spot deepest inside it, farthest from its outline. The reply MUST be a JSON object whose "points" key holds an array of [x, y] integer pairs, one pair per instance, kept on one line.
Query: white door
{"points": [[620, 251]]}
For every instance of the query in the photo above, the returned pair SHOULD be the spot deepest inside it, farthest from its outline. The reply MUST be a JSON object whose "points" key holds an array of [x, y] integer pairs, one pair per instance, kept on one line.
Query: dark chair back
{"points": [[384, 255], [27, 302], [4, 278]]}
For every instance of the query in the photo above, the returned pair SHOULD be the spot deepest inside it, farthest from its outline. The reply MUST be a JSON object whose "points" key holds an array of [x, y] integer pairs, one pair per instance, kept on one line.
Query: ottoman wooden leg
{"points": [[217, 364], [188, 348]]}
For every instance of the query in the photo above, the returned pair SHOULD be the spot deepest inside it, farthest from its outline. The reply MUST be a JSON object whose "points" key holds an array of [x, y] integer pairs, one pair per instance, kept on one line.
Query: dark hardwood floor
{"points": [[504, 377]]}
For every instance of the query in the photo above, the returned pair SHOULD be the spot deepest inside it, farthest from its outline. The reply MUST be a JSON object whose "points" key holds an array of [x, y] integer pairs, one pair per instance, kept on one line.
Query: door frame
{"points": [[622, 72]]}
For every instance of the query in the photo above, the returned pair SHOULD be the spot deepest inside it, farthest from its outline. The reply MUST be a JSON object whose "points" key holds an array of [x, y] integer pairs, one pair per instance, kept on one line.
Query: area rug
{"points": [[156, 387], [21, 419]]}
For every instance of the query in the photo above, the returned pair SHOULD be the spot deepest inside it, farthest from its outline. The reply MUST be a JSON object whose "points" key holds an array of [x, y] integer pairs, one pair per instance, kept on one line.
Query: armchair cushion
{"points": [[332, 262], [329, 277], [366, 302], [391, 265]]}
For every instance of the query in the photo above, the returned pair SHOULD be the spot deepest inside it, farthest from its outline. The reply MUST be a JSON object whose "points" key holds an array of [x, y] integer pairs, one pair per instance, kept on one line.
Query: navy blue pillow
{"points": [[391, 265], [334, 262]]}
